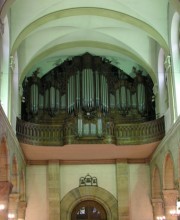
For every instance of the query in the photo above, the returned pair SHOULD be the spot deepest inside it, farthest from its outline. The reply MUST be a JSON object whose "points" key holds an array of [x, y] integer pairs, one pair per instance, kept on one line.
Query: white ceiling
{"points": [[45, 32]]}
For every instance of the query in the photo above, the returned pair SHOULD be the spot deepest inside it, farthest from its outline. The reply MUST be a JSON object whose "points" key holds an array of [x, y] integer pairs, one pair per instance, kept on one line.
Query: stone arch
{"points": [[4, 168], [168, 177], [98, 194], [156, 183], [14, 175]]}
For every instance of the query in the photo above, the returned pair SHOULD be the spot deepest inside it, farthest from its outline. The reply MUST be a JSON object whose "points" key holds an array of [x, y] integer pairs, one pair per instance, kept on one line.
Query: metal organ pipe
{"points": [[46, 99], [41, 101], [123, 97], [141, 97], [91, 89], [77, 90], [128, 99], [70, 94], [97, 88], [34, 98], [52, 97], [57, 95]]}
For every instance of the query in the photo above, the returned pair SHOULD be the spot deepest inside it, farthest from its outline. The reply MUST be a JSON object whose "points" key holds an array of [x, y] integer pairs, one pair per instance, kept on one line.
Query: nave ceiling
{"points": [[45, 33]]}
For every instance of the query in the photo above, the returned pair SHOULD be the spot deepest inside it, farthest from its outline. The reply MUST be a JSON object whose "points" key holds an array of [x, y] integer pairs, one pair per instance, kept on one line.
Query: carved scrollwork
{"points": [[88, 180]]}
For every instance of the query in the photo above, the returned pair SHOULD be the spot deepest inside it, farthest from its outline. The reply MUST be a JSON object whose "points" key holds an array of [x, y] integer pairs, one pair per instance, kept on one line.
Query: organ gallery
{"points": [[88, 96]]}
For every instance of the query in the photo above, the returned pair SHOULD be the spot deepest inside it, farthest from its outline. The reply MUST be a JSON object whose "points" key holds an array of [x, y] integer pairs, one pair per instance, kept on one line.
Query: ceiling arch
{"points": [[89, 11], [91, 44]]}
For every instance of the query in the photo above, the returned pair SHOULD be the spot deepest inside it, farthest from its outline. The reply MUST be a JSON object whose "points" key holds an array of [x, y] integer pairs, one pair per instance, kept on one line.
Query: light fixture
{"points": [[11, 215], [2, 207], [176, 212], [161, 217]]}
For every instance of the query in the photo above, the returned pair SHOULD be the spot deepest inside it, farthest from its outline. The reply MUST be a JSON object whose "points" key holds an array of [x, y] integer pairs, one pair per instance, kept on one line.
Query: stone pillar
{"points": [[22, 210], [170, 199], [171, 88], [122, 182], [5, 190], [13, 204], [158, 207], [53, 182]]}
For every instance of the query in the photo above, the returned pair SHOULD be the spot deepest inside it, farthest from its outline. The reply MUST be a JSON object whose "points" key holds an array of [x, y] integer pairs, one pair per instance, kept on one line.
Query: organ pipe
{"points": [[88, 85], [52, 97], [141, 97], [34, 98]]}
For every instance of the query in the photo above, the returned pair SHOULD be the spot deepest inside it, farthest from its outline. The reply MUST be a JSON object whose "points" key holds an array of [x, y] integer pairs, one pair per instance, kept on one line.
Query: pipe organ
{"points": [[90, 92], [87, 91]]}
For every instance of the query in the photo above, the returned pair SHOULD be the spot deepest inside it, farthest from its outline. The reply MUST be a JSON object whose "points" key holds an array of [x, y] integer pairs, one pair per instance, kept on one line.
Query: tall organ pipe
{"points": [[141, 97], [34, 98], [52, 98], [57, 95]]}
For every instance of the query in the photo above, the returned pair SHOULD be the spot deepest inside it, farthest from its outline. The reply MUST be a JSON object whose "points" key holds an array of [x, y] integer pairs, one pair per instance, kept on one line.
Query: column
{"points": [[122, 181], [5, 189], [13, 205], [171, 89], [158, 207], [170, 198], [53, 182], [22, 210]]}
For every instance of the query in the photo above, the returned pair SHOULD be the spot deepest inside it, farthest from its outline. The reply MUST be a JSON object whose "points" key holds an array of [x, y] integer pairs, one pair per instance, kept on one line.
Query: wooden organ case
{"points": [[87, 96]]}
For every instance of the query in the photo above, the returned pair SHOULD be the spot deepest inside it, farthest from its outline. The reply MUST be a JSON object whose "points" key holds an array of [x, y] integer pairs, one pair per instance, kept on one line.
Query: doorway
{"points": [[88, 210]]}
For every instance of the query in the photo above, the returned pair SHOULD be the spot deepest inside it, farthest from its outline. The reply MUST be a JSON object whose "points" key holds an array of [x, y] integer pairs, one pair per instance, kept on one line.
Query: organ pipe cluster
{"points": [[86, 84]]}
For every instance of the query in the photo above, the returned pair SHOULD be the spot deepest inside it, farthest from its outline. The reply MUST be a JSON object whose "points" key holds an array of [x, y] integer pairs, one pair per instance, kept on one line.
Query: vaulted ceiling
{"points": [[44, 33]]}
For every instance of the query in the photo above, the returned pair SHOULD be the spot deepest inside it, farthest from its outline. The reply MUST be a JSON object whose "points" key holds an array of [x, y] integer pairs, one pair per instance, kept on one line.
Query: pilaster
{"points": [[5, 190], [122, 180], [158, 207], [170, 199], [53, 190], [13, 205], [171, 92], [22, 210]]}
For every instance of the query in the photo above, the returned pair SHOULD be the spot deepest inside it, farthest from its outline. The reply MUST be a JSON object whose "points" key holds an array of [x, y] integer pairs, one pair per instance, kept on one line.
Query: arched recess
{"points": [[14, 175], [168, 172], [4, 168], [156, 184], [98, 194]]}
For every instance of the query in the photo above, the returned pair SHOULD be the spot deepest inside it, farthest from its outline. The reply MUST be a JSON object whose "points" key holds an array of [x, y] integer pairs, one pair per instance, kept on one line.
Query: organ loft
{"points": [[87, 97]]}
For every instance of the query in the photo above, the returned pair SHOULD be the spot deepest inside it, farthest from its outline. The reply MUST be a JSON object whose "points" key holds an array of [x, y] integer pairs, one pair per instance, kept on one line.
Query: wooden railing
{"points": [[62, 134]]}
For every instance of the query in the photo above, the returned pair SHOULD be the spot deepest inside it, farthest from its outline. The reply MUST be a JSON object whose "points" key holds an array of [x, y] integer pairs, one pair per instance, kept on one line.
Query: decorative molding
{"points": [[170, 197], [82, 162], [88, 181], [122, 134], [167, 63], [12, 62]]}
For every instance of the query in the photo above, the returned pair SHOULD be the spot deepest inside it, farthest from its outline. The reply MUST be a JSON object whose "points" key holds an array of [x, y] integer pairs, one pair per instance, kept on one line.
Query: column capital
{"points": [[22, 209], [170, 196], [12, 62], [5, 189], [167, 63], [158, 207]]}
